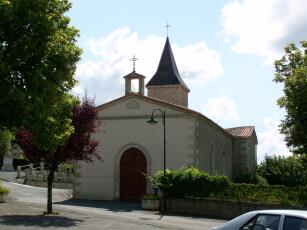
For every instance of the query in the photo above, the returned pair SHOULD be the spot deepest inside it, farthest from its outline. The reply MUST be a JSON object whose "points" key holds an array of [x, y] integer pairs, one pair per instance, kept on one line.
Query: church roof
{"points": [[163, 103], [133, 75], [241, 132], [167, 72]]}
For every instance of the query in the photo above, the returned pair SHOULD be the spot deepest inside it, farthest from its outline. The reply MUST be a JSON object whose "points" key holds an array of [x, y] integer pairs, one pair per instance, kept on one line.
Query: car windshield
{"points": [[262, 222]]}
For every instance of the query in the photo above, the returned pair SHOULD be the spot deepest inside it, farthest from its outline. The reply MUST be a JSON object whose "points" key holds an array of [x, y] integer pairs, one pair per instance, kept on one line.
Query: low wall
{"points": [[217, 208], [54, 184]]}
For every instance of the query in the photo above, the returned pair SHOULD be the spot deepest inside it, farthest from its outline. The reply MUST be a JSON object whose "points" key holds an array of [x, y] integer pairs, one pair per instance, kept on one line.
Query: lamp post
{"points": [[152, 120]]}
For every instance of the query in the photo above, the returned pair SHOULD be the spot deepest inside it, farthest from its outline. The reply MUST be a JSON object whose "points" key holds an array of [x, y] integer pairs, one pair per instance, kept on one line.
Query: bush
{"points": [[261, 180], [3, 190], [20, 162], [250, 178], [163, 182], [67, 166], [288, 171], [190, 182], [5, 142]]}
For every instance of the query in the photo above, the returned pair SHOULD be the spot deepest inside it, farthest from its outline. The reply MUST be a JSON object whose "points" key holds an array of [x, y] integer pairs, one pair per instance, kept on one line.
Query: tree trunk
{"points": [[49, 196]]}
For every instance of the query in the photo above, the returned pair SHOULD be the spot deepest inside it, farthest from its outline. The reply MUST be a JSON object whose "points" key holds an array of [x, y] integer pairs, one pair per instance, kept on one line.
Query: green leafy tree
{"points": [[38, 57], [288, 171], [78, 146], [5, 142], [291, 70]]}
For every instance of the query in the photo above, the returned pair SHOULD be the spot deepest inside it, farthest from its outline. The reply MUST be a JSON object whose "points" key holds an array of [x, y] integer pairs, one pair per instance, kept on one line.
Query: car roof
{"points": [[238, 221], [289, 212]]}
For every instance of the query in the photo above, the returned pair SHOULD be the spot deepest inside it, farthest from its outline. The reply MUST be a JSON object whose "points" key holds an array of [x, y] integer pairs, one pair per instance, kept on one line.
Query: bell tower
{"points": [[134, 76], [167, 84]]}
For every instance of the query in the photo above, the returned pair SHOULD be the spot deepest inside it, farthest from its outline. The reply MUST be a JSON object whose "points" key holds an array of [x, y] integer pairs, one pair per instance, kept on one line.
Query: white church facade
{"points": [[131, 148]]}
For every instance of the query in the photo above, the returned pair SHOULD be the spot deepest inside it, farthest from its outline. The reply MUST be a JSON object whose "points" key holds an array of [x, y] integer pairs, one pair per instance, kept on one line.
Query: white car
{"points": [[268, 220]]}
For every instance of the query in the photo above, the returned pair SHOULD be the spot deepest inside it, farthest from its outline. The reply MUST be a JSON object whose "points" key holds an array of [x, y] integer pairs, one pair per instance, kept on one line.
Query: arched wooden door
{"points": [[133, 169]]}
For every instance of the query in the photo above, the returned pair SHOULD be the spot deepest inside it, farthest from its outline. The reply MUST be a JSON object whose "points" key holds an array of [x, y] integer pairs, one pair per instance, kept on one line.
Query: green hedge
{"points": [[250, 178], [272, 194], [190, 182]]}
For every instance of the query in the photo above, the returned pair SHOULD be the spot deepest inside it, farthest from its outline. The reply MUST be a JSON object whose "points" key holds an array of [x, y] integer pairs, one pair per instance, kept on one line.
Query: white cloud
{"points": [[271, 142], [221, 109], [102, 76], [264, 27], [197, 63]]}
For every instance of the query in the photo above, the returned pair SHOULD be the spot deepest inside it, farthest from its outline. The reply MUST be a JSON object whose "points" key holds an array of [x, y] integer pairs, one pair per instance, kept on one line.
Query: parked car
{"points": [[268, 220]]}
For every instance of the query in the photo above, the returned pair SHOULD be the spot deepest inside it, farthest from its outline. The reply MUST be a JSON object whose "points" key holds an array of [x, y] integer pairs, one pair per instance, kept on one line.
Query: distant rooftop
{"points": [[241, 132]]}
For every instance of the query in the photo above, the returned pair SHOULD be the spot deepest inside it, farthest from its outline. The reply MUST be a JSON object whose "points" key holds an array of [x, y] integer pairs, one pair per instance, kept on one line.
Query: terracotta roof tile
{"points": [[241, 132]]}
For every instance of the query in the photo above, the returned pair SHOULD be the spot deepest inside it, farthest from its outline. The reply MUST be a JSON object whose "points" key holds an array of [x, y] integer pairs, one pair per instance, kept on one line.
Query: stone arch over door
{"points": [[116, 166], [132, 175]]}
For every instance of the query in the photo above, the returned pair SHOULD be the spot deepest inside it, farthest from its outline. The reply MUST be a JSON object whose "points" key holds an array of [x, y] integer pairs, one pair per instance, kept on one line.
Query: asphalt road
{"points": [[26, 204]]}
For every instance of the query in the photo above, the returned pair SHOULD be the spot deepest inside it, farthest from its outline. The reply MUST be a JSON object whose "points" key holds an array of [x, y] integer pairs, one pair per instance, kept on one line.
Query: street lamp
{"points": [[152, 120]]}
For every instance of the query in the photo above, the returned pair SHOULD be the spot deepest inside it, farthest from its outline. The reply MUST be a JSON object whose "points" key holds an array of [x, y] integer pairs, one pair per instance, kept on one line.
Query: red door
{"points": [[133, 169]]}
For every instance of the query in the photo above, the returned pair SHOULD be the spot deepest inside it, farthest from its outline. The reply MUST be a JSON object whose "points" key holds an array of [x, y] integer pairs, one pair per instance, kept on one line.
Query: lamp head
{"points": [[152, 120]]}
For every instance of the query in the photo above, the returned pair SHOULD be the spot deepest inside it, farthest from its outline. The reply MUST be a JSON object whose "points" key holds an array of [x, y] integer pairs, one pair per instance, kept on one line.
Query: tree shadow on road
{"points": [[38, 220], [114, 206]]}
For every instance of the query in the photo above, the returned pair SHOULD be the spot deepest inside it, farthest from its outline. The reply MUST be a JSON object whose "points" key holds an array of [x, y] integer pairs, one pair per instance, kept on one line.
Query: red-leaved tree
{"points": [[79, 146]]}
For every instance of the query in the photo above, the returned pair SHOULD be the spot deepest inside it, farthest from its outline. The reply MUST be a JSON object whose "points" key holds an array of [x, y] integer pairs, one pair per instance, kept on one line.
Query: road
{"points": [[25, 205]]}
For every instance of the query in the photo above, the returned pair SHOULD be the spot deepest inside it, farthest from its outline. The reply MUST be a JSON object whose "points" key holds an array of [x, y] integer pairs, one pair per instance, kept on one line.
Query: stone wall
{"points": [[244, 155], [54, 184], [217, 208], [214, 148], [175, 94]]}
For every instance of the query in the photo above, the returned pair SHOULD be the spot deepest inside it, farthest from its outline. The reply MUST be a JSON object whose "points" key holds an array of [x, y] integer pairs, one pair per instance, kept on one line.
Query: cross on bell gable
{"points": [[167, 26], [133, 59]]}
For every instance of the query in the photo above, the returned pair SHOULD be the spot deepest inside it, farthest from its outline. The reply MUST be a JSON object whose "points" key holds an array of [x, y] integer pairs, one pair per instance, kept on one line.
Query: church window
{"points": [[211, 158], [243, 156], [135, 85], [255, 153], [223, 161]]}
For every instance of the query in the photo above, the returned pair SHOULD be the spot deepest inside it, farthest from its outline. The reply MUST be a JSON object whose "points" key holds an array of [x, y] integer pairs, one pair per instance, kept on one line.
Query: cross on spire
{"points": [[167, 26], [133, 59]]}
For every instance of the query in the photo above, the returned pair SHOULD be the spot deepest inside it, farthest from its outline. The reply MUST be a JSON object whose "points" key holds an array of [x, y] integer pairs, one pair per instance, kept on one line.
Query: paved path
{"points": [[26, 204], [8, 175]]}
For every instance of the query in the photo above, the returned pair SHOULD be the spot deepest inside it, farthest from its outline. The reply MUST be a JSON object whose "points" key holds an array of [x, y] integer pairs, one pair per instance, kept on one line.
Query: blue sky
{"points": [[224, 52]]}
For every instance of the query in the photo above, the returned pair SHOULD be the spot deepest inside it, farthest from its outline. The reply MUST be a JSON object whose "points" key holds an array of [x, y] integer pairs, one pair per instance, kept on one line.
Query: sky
{"points": [[224, 50]]}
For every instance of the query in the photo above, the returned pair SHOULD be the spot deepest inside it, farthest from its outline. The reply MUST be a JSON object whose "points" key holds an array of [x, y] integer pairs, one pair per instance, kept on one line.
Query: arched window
{"points": [[223, 161], [211, 158]]}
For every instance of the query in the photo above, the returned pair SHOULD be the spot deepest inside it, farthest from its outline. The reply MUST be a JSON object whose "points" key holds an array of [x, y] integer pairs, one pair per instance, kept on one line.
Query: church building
{"points": [[131, 148]]}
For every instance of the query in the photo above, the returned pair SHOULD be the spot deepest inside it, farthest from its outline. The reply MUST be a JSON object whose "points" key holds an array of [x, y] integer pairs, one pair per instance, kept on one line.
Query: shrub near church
{"points": [[191, 183]]}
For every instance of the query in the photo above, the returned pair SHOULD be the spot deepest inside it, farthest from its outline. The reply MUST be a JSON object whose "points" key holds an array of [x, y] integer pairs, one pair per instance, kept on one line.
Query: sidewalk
{"points": [[27, 204], [9, 176], [26, 216], [134, 213]]}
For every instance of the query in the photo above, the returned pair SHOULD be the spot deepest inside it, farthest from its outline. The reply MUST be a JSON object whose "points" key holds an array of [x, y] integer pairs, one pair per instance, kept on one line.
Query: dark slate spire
{"points": [[167, 72]]}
